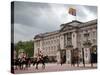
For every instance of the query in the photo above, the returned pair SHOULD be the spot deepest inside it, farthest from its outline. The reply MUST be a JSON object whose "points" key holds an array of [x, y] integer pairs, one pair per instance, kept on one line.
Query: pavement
{"points": [[51, 67]]}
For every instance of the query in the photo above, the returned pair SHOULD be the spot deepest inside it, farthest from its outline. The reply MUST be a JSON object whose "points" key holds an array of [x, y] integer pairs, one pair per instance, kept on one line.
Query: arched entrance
{"points": [[94, 54], [75, 57], [63, 56]]}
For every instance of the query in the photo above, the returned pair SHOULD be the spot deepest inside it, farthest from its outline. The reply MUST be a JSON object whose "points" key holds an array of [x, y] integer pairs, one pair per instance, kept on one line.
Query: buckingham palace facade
{"points": [[74, 39]]}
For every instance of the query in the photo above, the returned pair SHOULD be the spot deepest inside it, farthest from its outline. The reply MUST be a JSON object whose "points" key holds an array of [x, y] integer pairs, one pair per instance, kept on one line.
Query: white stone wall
{"points": [[49, 44], [92, 36]]}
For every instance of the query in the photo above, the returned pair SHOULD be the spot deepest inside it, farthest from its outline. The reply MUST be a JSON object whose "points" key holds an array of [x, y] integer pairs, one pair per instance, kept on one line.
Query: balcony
{"points": [[69, 46], [87, 43]]}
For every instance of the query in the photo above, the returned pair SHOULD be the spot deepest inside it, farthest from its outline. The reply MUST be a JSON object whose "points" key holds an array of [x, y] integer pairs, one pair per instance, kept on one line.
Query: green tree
{"points": [[27, 46]]}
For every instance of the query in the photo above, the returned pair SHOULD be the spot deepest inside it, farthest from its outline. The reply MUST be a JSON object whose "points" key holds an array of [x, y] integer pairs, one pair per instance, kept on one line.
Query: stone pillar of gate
{"points": [[58, 57], [68, 54], [87, 55], [87, 52]]}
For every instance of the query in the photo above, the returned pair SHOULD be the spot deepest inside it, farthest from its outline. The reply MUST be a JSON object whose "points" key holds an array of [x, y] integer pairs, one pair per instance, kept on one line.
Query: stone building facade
{"points": [[75, 35]]}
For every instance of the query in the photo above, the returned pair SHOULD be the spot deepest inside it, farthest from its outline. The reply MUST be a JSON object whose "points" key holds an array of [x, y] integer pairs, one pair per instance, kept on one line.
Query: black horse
{"points": [[26, 63], [42, 60], [22, 63], [16, 63]]}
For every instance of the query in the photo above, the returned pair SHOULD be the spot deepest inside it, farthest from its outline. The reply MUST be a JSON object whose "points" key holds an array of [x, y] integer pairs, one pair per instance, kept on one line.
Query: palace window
{"points": [[94, 40], [86, 36], [94, 34], [51, 48]]}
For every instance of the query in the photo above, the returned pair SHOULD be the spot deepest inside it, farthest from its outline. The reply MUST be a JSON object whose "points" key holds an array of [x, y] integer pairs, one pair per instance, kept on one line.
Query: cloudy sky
{"points": [[34, 18]]}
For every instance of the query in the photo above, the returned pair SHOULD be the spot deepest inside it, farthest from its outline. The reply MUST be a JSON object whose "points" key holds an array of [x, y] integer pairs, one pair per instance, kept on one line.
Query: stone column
{"points": [[87, 55], [58, 57], [61, 42], [68, 56]]}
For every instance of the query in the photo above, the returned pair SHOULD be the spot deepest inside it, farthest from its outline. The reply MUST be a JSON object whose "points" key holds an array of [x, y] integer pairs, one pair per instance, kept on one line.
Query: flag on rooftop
{"points": [[72, 11]]}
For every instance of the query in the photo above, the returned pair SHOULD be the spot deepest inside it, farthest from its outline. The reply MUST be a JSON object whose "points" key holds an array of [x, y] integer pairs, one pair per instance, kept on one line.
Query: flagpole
{"points": [[76, 15]]}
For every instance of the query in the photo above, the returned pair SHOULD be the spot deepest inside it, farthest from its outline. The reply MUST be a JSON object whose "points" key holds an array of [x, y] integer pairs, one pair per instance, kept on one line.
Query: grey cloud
{"points": [[92, 9], [34, 18]]}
